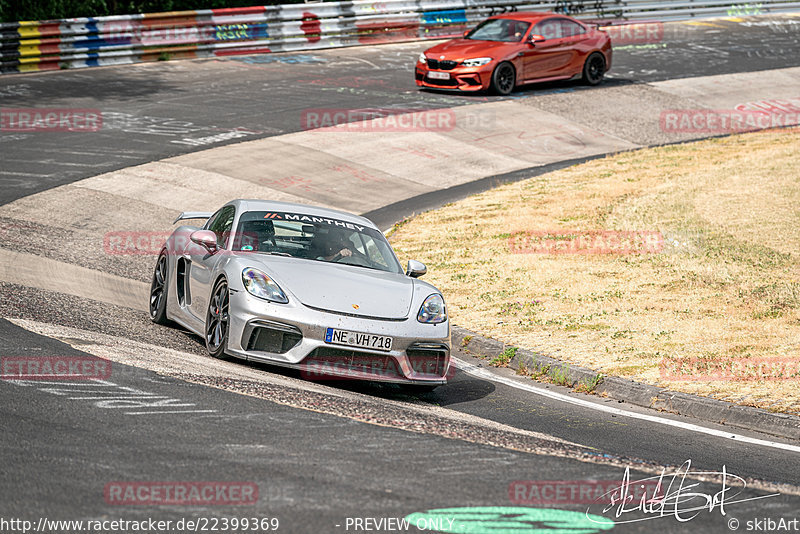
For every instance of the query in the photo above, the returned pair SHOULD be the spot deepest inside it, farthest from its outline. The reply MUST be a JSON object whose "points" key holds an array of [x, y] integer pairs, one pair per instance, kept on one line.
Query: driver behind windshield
{"points": [[503, 30], [331, 245]]}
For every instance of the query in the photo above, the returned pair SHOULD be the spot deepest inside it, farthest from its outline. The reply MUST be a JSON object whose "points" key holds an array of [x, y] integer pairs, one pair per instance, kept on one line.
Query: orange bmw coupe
{"points": [[509, 50]]}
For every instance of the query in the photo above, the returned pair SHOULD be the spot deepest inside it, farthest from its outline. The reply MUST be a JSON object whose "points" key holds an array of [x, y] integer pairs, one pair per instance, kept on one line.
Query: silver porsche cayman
{"points": [[302, 286]]}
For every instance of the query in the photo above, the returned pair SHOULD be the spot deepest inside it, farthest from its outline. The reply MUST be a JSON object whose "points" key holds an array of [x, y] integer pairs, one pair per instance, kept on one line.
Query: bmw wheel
{"points": [[158, 291], [218, 321], [504, 78], [594, 68]]}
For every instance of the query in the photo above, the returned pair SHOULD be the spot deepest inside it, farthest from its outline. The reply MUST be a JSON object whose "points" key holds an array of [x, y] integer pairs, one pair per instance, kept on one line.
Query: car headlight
{"points": [[476, 62], [422, 58], [432, 310], [262, 286]]}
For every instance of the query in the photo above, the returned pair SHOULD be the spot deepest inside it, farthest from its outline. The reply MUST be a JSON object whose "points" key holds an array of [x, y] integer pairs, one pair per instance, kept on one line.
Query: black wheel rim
{"points": [[217, 327], [595, 70], [505, 79], [157, 287]]}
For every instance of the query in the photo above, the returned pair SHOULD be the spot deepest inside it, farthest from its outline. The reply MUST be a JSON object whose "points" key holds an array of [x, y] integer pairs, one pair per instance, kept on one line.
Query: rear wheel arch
{"points": [[594, 68]]}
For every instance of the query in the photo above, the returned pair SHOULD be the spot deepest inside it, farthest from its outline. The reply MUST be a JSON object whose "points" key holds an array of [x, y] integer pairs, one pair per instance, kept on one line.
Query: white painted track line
{"points": [[530, 388]]}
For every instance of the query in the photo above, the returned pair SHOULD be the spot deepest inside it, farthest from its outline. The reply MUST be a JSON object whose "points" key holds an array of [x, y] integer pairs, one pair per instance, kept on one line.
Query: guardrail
{"points": [[95, 41]]}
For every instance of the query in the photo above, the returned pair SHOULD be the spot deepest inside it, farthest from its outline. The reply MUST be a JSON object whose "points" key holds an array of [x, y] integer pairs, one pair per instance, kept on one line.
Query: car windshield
{"points": [[314, 238], [506, 30]]}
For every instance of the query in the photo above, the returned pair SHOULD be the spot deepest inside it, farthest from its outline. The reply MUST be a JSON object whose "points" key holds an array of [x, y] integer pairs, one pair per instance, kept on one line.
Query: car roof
{"points": [[528, 16], [304, 209]]}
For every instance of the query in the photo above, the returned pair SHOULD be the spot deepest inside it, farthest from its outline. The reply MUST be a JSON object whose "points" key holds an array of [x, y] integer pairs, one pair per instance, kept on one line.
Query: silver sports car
{"points": [[306, 287]]}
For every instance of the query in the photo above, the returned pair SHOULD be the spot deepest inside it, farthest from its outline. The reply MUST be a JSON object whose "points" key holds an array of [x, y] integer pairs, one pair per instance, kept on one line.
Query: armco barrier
{"points": [[83, 42]]}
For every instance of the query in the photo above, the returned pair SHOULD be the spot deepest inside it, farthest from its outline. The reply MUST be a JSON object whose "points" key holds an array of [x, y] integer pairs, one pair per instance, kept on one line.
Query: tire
{"points": [[504, 79], [218, 321], [594, 68], [158, 291]]}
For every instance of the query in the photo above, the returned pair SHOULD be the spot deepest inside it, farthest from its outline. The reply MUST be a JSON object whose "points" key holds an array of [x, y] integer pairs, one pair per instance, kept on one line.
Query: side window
{"points": [[221, 224], [549, 29], [570, 28], [517, 30]]}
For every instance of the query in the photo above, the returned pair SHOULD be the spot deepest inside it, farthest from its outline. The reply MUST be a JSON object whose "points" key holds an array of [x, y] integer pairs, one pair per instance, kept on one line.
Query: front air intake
{"points": [[274, 338], [428, 358]]}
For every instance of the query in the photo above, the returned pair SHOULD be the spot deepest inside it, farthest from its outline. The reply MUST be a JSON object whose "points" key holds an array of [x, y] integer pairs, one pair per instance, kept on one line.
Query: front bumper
{"points": [[293, 335], [460, 78]]}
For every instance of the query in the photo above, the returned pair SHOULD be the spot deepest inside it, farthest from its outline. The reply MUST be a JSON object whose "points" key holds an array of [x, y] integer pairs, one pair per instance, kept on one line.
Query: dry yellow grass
{"points": [[724, 289]]}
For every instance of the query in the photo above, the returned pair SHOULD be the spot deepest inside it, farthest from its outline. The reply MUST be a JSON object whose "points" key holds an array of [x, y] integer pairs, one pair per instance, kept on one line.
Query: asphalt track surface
{"points": [[317, 466], [153, 111]]}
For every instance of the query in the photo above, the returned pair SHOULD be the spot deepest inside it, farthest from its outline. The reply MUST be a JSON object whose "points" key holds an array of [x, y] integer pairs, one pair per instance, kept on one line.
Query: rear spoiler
{"points": [[193, 215]]}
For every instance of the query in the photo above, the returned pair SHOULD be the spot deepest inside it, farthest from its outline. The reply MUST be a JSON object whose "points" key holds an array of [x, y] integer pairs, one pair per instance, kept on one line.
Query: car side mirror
{"points": [[536, 38], [415, 269], [206, 239], [467, 33]]}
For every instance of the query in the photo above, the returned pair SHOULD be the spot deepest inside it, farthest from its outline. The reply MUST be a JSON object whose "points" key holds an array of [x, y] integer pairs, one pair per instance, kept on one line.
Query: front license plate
{"points": [[439, 75], [357, 339]]}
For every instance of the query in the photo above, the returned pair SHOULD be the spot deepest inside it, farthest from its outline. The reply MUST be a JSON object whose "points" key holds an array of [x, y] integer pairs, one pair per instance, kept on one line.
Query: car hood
{"points": [[460, 49], [344, 288]]}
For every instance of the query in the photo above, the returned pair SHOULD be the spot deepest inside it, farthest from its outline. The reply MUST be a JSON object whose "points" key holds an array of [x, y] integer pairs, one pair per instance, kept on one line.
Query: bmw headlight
{"points": [[432, 310], [422, 58], [476, 62], [262, 286]]}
